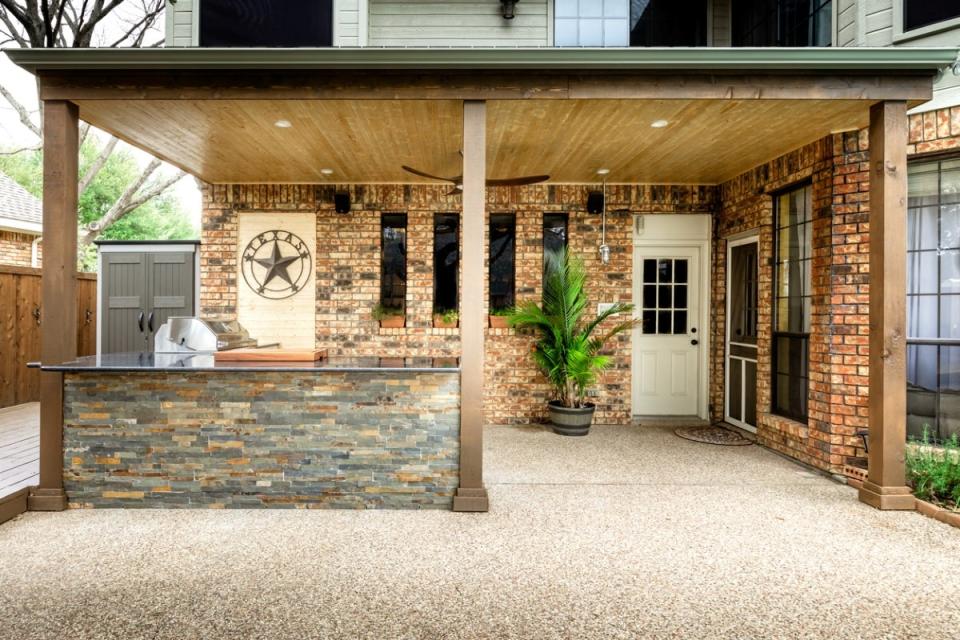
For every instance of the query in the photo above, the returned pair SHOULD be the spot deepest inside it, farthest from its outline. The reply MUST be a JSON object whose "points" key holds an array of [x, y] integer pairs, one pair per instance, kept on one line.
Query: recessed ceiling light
{"points": [[326, 172], [283, 124], [659, 124], [603, 172]]}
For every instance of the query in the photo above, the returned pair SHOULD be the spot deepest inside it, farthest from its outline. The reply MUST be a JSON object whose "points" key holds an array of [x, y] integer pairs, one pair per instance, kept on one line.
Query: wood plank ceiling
{"points": [[705, 142]]}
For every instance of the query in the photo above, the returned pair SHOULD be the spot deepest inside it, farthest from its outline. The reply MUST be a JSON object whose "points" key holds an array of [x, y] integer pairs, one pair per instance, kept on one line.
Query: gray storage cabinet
{"points": [[142, 284]]}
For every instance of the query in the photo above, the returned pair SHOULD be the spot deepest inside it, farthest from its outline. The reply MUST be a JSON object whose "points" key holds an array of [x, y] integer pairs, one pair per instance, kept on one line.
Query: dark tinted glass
{"points": [[554, 233], [266, 23], [503, 236], [668, 23], [393, 260], [446, 261], [782, 23], [922, 13]]}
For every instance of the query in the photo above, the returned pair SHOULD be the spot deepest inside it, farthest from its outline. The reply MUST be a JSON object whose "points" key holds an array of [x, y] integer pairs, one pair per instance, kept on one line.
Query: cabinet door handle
{"points": [[150, 322], [140, 321]]}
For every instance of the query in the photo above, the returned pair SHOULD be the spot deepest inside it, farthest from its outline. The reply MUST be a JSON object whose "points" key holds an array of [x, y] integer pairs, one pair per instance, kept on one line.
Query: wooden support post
{"points": [[58, 333], [472, 495], [885, 487]]}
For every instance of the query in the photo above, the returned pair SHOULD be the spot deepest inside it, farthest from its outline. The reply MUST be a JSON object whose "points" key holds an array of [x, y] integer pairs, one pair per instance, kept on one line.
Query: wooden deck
{"points": [[19, 447]]}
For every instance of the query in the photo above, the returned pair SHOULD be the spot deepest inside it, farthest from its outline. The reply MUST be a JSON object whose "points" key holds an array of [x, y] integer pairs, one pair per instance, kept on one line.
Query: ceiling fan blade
{"points": [[516, 182], [423, 174]]}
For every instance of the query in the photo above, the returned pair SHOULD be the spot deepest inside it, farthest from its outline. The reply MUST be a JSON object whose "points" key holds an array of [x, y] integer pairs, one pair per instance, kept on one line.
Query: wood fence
{"points": [[20, 318]]}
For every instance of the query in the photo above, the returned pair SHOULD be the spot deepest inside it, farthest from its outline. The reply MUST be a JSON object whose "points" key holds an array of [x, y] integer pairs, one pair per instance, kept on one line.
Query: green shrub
{"points": [[934, 471], [381, 312]]}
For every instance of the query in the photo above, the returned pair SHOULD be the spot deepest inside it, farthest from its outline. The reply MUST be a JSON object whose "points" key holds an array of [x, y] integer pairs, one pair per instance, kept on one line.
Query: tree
{"points": [[86, 23], [160, 217]]}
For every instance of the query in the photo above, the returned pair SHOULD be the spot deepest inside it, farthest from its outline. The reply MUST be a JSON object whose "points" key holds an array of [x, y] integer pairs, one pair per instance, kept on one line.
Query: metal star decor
{"points": [[269, 272]]}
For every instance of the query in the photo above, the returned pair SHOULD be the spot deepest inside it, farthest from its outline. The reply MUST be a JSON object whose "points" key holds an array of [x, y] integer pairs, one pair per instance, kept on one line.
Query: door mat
{"points": [[713, 435]]}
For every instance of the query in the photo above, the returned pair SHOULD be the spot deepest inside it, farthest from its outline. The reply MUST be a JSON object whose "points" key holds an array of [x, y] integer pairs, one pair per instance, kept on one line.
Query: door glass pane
{"points": [[680, 271], [664, 304]]}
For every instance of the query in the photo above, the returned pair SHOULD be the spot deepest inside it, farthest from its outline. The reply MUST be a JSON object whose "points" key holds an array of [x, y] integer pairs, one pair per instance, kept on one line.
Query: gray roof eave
{"points": [[874, 60]]}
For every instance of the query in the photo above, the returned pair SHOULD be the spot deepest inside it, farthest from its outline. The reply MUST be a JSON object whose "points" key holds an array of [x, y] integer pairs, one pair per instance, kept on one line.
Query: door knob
{"points": [[694, 342]]}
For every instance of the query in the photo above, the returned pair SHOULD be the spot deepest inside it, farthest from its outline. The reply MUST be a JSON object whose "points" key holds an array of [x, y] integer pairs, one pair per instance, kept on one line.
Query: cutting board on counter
{"points": [[270, 355]]}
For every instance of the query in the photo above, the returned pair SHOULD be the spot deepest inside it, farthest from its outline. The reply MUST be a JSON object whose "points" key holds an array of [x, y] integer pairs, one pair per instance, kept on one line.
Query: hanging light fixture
{"points": [[508, 8], [604, 247]]}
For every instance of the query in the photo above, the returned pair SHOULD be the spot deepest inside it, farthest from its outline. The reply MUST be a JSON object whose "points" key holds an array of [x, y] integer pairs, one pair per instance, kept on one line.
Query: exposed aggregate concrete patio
{"points": [[630, 532]]}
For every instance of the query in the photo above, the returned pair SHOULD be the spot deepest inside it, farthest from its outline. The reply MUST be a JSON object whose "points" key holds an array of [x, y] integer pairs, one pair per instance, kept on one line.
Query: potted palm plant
{"points": [[567, 350]]}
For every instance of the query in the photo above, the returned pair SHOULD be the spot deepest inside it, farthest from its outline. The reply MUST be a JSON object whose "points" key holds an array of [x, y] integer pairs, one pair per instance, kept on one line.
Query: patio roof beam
{"points": [[58, 329], [885, 487], [287, 84]]}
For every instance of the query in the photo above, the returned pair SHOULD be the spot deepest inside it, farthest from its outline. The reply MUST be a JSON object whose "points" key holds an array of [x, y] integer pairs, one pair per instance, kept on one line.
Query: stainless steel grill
{"points": [[194, 335]]}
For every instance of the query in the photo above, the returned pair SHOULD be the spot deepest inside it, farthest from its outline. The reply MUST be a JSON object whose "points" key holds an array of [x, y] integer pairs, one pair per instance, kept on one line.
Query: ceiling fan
{"points": [[457, 181]]}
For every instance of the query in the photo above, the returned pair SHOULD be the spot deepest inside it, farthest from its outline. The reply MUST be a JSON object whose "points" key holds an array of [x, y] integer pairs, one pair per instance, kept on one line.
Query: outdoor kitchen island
{"points": [[184, 431]]}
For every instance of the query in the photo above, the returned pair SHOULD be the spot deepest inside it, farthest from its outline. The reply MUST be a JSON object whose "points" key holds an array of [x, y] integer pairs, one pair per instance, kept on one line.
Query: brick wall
{"points": [[837, 169], [15, 248], [348, 272], [935, 131]]}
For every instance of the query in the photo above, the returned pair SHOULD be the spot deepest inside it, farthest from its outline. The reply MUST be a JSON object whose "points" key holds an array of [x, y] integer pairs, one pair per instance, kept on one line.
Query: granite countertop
{"points": [[204, 362]]}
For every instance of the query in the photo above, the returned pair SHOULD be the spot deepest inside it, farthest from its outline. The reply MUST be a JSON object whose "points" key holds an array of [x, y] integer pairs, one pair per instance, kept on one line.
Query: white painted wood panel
{"points": [[290, 321]]}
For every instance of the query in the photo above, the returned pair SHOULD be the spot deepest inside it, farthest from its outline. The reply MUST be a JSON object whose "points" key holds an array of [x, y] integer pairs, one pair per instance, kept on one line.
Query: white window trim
{"points": [[899, 35]]}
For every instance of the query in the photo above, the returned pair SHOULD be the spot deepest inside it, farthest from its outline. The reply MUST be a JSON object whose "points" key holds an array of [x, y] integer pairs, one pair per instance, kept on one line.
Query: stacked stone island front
{"points": [[326, 437]]}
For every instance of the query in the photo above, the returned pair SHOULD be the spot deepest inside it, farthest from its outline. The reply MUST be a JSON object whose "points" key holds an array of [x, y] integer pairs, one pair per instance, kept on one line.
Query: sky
{"points": [[14, 135]]}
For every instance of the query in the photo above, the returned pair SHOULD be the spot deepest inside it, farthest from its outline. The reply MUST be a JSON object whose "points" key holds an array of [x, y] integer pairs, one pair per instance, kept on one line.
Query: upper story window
{"points": [[266, 23], [923, 13], [592, 23], [668, 23], [622, 23], [782, 23]]}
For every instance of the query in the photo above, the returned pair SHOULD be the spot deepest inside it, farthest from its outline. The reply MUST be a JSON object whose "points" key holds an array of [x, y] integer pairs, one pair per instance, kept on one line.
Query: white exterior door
{"points": [[667, 342]]}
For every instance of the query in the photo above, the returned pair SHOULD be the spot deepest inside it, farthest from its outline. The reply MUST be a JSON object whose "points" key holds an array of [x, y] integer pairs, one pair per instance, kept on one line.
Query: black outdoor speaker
{"points": [[595, 202], [341, 202]]}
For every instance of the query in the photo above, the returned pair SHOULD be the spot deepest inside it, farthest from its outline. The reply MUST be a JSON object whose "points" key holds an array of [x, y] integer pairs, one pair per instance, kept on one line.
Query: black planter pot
{"points": [[571, 422]]}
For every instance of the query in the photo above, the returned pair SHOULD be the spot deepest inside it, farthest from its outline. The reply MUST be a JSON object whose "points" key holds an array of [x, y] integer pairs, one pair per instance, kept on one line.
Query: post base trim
{"points": [[887, 498], [47, 500], [471, 500]]}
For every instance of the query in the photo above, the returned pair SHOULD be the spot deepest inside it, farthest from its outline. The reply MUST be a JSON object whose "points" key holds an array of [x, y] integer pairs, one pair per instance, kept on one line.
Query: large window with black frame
{"points": [[933, 298], [782, 23], [793, 257], [554, 234], [393, 263], [446, 264], [266, 23], [502, 263]]}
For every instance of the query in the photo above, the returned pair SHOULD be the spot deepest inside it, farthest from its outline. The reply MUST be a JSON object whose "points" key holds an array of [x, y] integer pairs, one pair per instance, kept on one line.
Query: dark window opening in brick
{"points": [[793, 258], [782, 23], [446, 262], [503, 243], [668, 23], [923, 13], [393, 261], [554, 234], [266, 23], [933, 298]]}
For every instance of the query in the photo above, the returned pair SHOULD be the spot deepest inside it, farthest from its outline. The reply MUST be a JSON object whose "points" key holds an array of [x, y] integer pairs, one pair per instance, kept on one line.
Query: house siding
{"points": [[425, 23]]}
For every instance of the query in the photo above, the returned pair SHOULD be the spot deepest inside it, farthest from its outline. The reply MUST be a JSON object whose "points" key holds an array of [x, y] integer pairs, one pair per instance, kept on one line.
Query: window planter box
{"points": [[393, 322], [499, 322], [438, 323], [937, 512]]}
